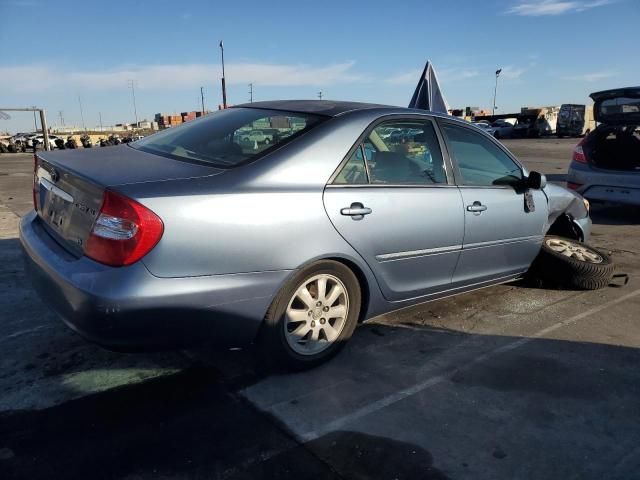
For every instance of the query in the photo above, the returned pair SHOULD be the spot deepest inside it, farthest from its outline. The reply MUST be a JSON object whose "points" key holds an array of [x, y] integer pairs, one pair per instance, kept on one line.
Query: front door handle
{"points": [[476, 208], [356, 210]]}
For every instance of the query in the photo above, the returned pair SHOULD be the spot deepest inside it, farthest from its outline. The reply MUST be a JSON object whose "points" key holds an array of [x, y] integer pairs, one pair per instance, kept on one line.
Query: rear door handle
{"points": [[356, 210], [477, 207]]}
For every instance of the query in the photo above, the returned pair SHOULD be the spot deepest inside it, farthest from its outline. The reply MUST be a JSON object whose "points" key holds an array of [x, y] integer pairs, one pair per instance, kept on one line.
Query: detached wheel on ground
{"points": [[570, 263], [312, 317]]}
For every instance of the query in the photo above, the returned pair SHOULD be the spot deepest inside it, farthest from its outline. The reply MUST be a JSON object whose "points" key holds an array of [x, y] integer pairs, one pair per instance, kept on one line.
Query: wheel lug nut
{"points": [[318, 304], [326, 309], [313, 324], [322, 320], [309, 313]]}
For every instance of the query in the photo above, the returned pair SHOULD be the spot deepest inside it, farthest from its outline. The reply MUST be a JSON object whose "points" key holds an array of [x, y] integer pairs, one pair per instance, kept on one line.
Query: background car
{"points": [[484, 126], [189, 236], [606, 164], [257, 136], [502, 129], [39, 140]]}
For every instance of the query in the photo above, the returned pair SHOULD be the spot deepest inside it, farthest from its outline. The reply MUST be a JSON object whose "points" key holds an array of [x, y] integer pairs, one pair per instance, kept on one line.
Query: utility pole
{"points": [[320, 94], [35, 124], [202, 98], [100, 115], [224, 86], [251, 93], [495, 90], [132, 86], [82, 114], [61, 117]]}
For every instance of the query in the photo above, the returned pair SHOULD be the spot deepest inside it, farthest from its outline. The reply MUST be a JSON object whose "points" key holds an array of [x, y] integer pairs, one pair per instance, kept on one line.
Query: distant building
{"points": [[166, 120]]}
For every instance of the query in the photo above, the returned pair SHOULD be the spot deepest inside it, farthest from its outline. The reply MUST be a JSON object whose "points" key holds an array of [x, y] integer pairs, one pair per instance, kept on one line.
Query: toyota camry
{"points": [[203, 233]]}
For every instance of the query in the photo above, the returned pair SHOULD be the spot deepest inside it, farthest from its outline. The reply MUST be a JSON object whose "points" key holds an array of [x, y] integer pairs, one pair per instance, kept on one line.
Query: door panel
{"points": [[411, 238], [503, 238]]}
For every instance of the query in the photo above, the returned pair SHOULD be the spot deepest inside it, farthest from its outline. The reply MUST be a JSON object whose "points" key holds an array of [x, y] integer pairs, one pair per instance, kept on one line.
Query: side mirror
{"points": [[536, 181]]}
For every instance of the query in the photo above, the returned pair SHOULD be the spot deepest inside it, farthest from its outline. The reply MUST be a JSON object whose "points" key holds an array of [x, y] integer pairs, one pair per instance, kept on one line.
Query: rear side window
{"points": [[480, 161], [397, 153], [229, 137]]}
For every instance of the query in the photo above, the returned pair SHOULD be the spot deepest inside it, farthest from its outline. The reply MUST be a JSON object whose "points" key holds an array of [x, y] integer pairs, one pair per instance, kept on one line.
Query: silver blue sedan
{"points": [[203, 232]]}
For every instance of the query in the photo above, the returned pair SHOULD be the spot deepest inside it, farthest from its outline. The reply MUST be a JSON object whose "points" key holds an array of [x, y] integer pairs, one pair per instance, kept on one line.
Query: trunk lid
{"points": [[619, 106], [69, 185]]}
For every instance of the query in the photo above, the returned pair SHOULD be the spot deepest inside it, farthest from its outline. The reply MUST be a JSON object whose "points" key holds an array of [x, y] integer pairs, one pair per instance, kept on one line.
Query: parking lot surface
{"points": [[509, 382]]}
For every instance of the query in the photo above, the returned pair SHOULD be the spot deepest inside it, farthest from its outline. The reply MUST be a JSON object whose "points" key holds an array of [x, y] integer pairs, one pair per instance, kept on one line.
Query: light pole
{"points": [[320, 95], [202, 98], [132, 86], [35, 124], [224, 87], [82, 113], [251, 93], [495, 90]]}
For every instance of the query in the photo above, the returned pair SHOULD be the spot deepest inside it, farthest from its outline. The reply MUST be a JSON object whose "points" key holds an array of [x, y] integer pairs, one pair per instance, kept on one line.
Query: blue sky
{"points": [[551, 52]]}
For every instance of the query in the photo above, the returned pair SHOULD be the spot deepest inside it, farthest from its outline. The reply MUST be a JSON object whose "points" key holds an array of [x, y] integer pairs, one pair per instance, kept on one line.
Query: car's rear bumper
{"points": [[605, 186], [128, 308]]}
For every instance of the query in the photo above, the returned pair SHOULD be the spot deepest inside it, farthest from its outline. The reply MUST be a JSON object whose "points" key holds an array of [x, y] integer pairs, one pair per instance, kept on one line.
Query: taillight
{"points": [[578, 153], [35, 186], [573, 186], [124, 232]]}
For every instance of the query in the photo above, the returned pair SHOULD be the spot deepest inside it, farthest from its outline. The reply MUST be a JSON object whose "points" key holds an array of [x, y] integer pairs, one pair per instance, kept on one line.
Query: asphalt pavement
{"points": [[509, 382]]}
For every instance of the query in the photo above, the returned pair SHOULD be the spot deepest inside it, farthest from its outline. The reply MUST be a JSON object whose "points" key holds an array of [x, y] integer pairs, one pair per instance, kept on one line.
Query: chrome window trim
{"points": [[384, 185]]}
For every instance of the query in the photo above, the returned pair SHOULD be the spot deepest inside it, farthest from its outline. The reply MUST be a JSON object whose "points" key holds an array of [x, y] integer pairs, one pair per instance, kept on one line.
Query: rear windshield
{"points": [[619, 108], [229, 137]]}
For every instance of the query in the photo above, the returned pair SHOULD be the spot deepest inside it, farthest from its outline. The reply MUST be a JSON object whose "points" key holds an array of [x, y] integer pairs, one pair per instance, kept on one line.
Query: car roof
{"points": [[328, 108]]}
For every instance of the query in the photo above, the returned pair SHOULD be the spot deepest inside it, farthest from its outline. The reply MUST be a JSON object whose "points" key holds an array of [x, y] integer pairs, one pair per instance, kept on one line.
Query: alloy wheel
{"points": [[316, 314], [573, 250]]}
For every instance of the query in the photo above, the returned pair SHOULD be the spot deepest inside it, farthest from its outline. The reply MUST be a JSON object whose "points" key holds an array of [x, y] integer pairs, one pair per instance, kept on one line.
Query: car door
{"points": [[504, 221], [393, 199]]}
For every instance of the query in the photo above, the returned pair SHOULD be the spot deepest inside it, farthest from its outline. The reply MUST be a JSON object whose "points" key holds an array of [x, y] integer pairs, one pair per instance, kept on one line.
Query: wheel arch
{"points": [[366, 281], [566, 226], [365, 293]]}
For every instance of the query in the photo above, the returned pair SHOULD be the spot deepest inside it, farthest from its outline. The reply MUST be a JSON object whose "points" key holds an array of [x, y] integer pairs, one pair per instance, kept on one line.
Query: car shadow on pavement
{"points": [[43, 362], [544, 408], [611, 214]]}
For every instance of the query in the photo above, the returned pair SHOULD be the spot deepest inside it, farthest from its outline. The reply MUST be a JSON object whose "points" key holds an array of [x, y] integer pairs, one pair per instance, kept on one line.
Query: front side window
{"points": [[229, 137], [400, 153], [480, 161]]}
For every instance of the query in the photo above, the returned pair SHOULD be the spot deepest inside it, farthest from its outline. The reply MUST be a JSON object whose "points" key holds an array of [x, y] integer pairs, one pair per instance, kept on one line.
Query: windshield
{"points": [[229, 137]]}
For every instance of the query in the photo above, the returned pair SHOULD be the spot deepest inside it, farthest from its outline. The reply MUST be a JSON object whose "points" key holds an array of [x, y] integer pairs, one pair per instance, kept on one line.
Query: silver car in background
{"points": [[188, 235], [606, 163]]}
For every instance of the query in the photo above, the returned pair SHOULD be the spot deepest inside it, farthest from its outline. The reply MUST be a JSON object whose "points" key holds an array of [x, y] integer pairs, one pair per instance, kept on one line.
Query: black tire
{"points": [[272, 346], [555, 268]]}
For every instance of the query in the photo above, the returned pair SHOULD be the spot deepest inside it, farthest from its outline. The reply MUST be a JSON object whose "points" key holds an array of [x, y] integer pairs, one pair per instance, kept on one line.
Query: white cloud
{"points": [[406, 78], [591, 77], [447, 74], [553, 7], [512, 72], [19, 79]]}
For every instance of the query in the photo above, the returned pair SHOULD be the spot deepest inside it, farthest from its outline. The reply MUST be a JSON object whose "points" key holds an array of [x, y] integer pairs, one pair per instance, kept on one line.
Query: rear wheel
{"points": [[312, 317], [569, 263]]}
